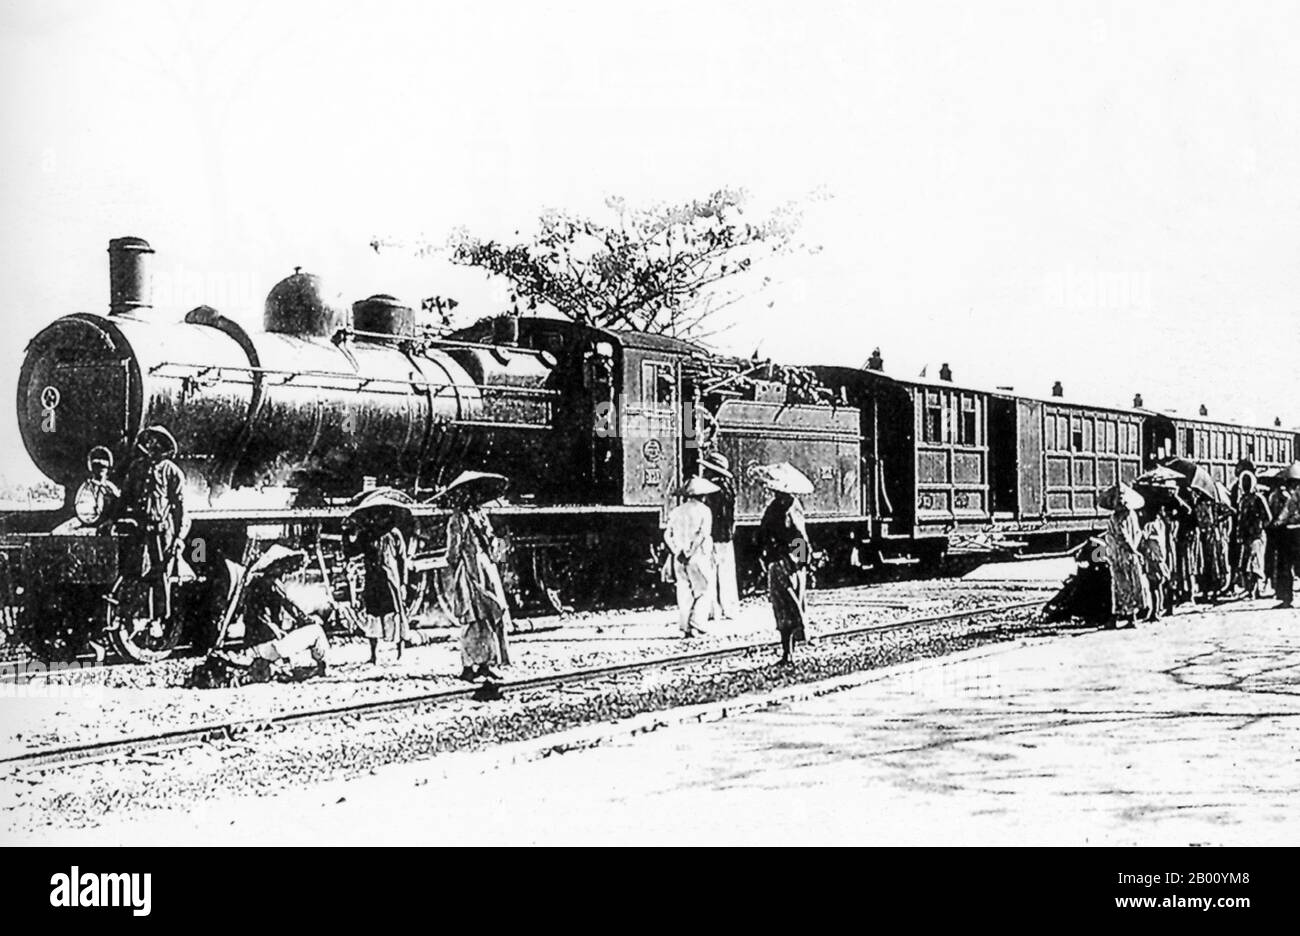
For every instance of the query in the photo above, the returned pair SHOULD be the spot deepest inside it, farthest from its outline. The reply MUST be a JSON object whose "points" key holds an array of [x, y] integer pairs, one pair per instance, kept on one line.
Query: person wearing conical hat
{"points": [[478, 595], [689, 537], [153, 496], [785, 551], [383, 552], [725, 596], [269, 611], [1128, 582], [276, 628]]}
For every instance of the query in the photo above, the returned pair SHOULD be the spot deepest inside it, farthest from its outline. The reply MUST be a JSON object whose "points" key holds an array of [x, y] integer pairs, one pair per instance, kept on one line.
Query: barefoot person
{"points": [[375, 528], [478, 594], [785, 551]]}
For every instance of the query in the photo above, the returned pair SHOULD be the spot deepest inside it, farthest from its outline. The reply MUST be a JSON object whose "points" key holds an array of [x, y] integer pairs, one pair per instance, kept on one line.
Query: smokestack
{"points": [[129, 283]]}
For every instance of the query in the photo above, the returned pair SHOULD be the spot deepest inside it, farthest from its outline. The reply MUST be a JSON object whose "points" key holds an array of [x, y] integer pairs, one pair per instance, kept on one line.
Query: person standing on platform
{"points": [[1187, 553], [375, 529], [786, 551], [726, 595], [1128, 583], [1253, 517], [478, 593], [689, 537], [1288, 542], [1214, 550], [1155, 550], [1273, 535]]}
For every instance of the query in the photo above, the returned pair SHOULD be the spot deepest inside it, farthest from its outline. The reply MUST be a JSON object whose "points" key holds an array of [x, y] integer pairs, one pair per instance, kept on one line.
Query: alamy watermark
{"points": [[1098, 290], [36, 679]]}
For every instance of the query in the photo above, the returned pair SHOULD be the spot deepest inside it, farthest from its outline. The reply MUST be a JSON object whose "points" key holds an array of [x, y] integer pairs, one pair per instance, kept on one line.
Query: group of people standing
{"points": [[1194, 547], [700, 534], [378, 530], [477, 594]]}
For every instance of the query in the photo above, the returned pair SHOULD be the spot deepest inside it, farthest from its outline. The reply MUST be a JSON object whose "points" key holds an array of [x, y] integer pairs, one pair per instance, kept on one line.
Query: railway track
{"points": [[168, 741]]}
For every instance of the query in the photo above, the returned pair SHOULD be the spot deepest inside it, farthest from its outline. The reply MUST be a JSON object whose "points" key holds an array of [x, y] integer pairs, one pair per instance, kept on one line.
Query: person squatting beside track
{"points": [[277, 628]]}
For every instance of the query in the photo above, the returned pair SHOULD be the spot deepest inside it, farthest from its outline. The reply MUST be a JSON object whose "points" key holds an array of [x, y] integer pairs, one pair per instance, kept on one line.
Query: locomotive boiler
{"points": [[313, 401]]}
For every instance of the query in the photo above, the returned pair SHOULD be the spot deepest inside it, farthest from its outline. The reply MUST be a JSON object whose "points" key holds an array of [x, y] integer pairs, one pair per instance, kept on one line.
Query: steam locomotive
{"points": [[278, 428]]}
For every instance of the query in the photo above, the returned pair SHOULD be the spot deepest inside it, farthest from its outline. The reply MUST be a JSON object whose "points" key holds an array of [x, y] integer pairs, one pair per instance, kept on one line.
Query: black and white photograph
{"points": [[702, 423]]}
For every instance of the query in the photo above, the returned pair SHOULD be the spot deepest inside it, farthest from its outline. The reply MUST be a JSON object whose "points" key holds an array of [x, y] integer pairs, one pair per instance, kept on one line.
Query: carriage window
{"points": [[932, 425], [657, 385], [968, 426]]}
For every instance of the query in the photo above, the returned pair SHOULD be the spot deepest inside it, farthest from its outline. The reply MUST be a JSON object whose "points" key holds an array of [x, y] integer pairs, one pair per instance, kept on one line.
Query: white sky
{"points": [[992, 165]]}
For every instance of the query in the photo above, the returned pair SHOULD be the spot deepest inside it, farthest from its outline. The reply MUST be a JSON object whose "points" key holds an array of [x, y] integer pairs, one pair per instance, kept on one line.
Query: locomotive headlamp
{"points": [[88, 504], [604, 349]]}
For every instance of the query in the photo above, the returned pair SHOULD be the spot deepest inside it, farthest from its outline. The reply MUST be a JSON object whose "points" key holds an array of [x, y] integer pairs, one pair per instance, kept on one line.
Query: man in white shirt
{"points": [[689, 536]]}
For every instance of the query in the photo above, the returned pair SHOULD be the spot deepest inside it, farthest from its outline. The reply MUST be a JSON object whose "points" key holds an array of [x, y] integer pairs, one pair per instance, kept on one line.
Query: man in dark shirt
{"points": [[726, 597], [153, 497]]}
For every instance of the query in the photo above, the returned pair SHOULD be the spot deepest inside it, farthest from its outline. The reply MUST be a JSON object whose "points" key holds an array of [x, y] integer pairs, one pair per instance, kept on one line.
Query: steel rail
{"points": [[75, 755]]}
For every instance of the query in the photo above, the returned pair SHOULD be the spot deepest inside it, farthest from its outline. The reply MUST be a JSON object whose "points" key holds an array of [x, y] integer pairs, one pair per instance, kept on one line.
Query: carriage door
{"points": [[1029, 457], [651, 430]]}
